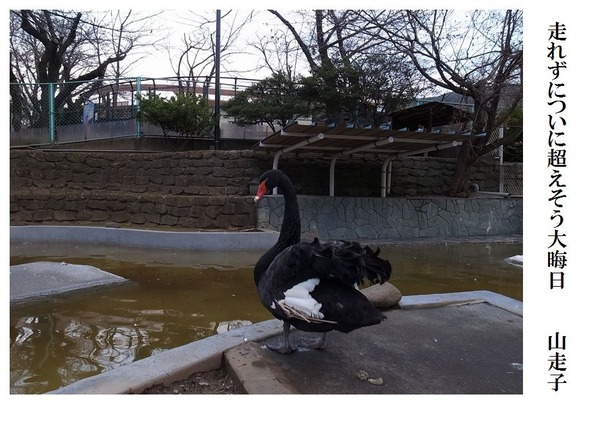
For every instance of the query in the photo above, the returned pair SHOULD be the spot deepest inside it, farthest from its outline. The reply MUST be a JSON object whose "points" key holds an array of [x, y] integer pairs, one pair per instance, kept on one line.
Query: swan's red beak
{"points": [[262, 189]]}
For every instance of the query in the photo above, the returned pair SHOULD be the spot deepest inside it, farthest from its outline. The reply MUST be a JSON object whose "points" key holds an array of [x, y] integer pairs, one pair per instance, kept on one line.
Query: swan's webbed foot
{"points": [[283, 345], [320, 343]]}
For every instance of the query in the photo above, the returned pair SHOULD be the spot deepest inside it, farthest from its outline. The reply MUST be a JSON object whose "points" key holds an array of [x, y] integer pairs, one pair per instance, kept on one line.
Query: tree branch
{"points": [[309, 58]]}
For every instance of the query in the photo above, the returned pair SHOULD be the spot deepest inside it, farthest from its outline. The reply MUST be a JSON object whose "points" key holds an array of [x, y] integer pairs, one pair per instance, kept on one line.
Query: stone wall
{"points": [[112, 208], [195, 189], [398, 218], [201, 189]]}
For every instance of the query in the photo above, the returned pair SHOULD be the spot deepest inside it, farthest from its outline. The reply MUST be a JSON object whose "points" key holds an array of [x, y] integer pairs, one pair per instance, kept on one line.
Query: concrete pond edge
{"points": [[207, 354], [182, 240]]}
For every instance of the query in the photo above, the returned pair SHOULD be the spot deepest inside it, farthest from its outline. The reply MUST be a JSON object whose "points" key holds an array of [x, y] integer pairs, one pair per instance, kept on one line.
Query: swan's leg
{"points": [[320, 343], [284, 346]]}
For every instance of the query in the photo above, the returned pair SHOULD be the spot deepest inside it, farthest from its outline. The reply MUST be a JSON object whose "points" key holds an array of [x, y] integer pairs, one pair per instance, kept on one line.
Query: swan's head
{"points": [[267, 182]]}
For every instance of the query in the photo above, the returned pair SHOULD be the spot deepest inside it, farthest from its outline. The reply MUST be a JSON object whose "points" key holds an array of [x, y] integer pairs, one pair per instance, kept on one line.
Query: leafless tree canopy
{"points": [[55, 46], [477, 54], [67, 47], [347, 60], [193, 58]]}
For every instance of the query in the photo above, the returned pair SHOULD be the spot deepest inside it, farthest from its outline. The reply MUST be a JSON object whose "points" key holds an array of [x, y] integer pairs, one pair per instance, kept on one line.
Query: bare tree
{"points": [[124, 31], [478, 54], [318, 46], [69, 48], [280, 53], [194, 58], [341, 47]]}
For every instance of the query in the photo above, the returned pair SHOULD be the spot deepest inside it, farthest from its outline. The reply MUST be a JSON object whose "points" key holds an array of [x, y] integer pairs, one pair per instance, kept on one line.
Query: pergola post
{"points": [[303, 143], [332, 175]]}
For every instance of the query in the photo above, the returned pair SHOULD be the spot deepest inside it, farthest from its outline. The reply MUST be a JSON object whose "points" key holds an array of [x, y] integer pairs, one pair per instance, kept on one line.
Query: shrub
{"points": [[183, 115]]}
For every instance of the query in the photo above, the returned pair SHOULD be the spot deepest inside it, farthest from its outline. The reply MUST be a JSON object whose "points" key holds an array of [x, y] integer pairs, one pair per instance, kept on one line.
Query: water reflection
{"points": [[67, 339], [455, 267], [182, 297], [64, 348]]}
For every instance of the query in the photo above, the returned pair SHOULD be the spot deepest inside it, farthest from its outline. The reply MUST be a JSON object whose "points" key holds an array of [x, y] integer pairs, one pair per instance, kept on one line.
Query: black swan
{"points": [[313, 286]]}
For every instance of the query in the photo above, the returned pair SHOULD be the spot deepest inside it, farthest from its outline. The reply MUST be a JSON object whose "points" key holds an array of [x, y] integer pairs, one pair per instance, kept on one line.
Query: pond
{"points": [[177, 297]]}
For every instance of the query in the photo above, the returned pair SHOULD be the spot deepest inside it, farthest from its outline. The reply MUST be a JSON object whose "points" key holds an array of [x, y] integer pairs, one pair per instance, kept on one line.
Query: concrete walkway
{"points": [[466, 349]]}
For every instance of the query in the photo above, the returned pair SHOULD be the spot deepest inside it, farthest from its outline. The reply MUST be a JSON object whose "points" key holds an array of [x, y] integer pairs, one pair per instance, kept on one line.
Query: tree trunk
{"points": [[16, 103], [459, 187]]}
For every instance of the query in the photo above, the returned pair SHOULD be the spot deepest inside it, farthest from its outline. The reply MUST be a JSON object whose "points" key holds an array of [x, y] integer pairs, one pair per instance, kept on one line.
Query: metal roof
{"points": [[339, 141]]}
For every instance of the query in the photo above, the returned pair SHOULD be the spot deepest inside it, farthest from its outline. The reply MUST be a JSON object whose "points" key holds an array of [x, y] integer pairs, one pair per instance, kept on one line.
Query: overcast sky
{"points": [[240, 60]]}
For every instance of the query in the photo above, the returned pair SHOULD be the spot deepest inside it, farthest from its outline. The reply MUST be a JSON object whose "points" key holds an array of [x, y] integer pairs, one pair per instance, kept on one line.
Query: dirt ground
{"points": [[210, 382]]}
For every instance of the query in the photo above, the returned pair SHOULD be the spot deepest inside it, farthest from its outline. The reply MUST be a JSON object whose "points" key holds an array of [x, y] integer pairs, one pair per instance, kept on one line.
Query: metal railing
{"points": [[105, 109]]}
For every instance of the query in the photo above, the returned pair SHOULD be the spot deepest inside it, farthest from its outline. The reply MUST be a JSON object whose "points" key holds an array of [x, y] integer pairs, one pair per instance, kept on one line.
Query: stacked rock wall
{"points": [[205, 190]]}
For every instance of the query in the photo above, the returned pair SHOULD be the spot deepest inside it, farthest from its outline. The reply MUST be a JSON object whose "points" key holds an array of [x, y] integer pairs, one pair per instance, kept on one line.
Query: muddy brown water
{"points": [[177, 297]]}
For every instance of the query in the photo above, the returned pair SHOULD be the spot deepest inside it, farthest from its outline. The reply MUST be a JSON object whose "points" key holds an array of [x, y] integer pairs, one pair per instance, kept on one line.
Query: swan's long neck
{"points": [[290, 228]]}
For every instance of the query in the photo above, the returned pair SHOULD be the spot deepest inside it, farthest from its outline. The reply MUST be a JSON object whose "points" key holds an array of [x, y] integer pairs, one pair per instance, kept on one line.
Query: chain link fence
{"points": [[56, 113], [512, 178], [510, 174]]}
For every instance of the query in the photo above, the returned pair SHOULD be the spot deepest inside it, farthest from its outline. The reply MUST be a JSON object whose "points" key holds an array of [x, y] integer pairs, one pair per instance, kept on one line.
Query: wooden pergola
{"points": [[335, 141]]}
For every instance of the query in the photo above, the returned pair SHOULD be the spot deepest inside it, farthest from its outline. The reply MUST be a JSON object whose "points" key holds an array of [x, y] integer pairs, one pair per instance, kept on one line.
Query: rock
{"points": [[363, 375], [384, 295], [232, 324], [515, 260], [378, 381]]}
